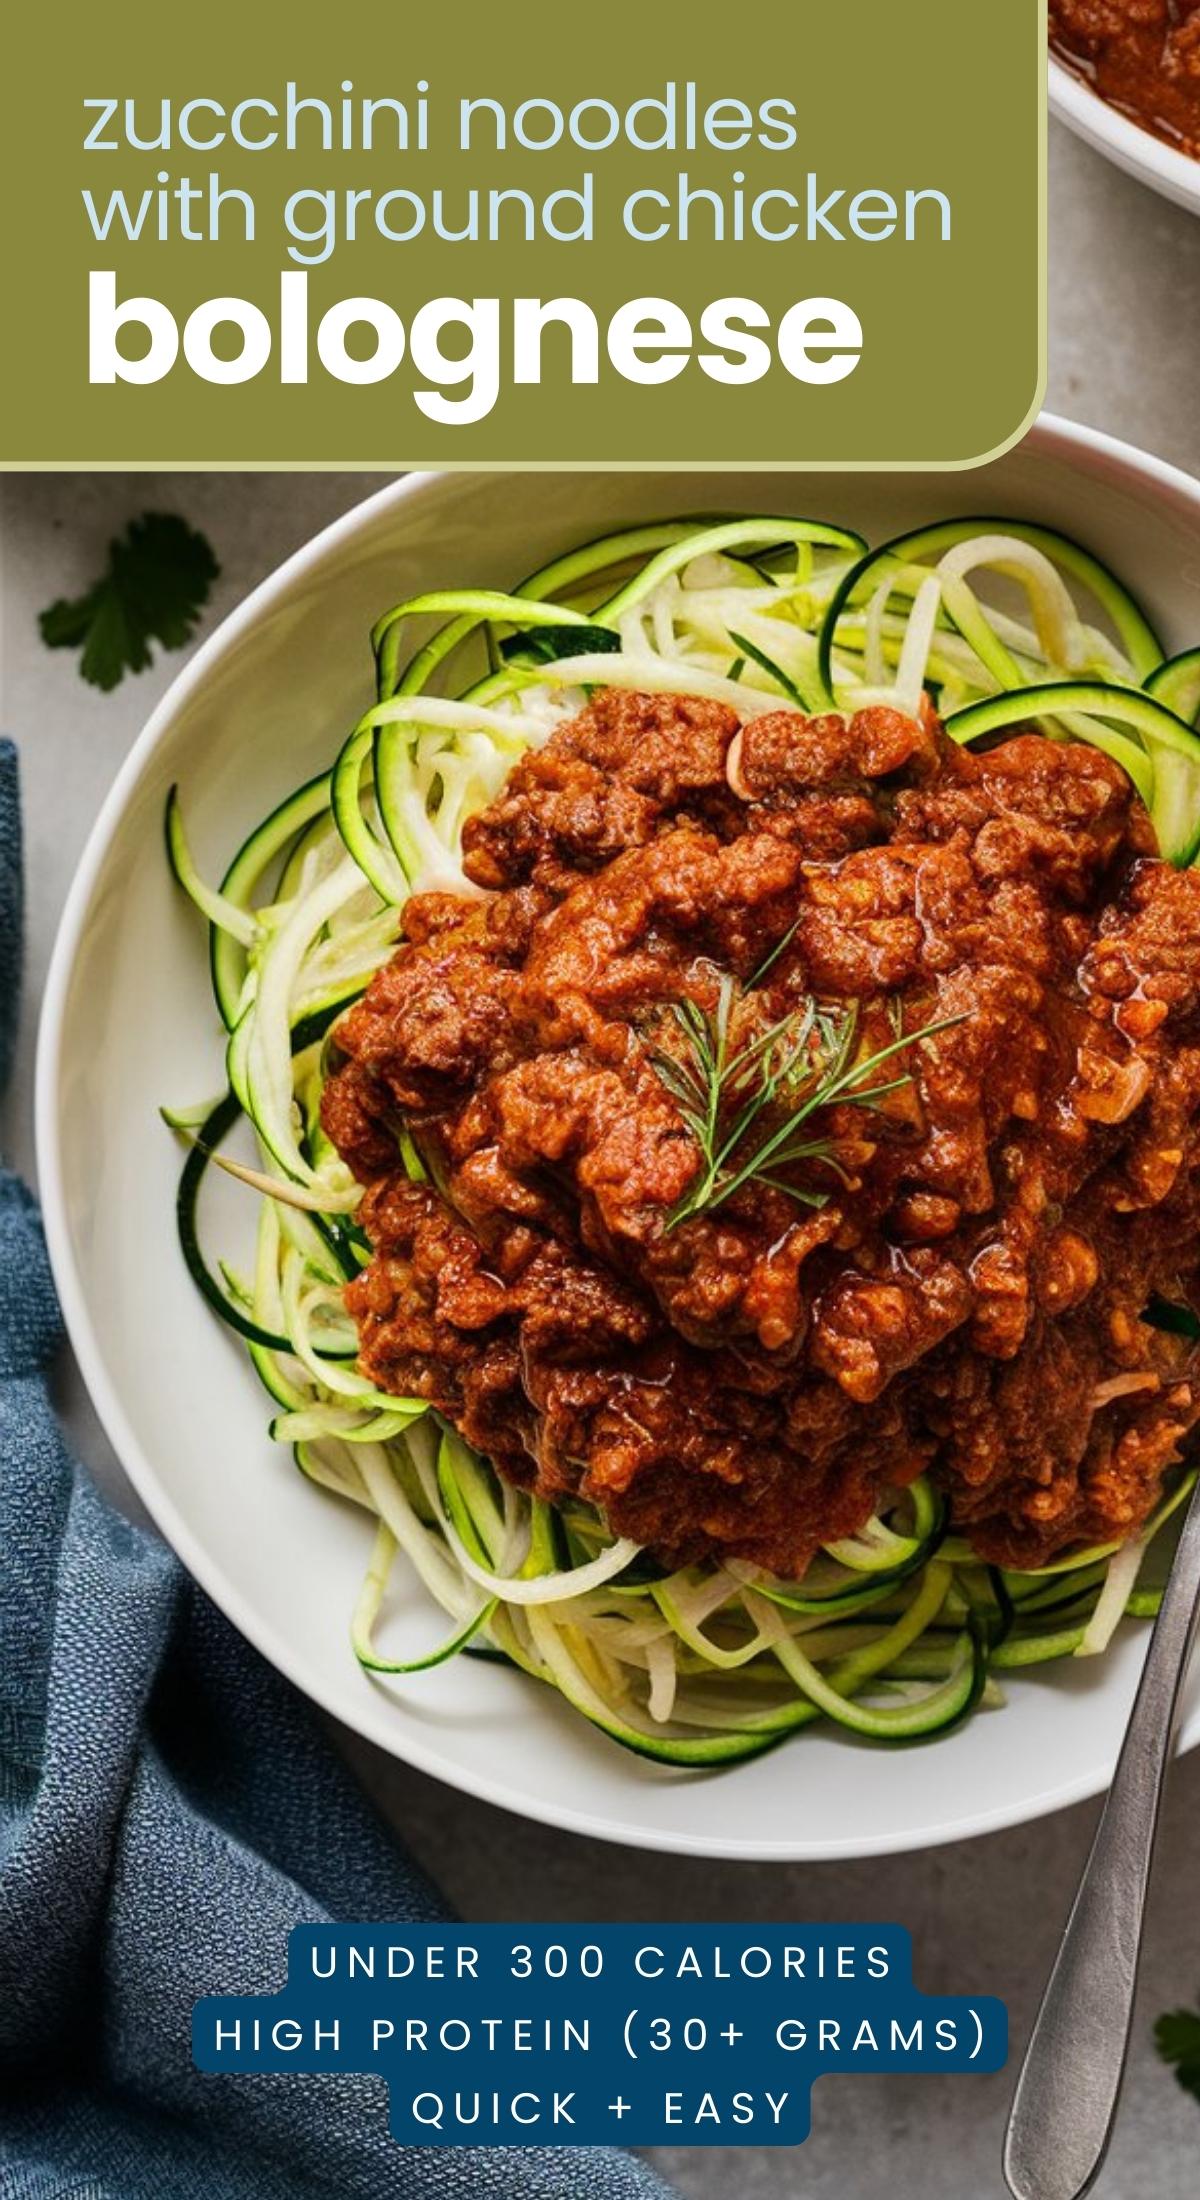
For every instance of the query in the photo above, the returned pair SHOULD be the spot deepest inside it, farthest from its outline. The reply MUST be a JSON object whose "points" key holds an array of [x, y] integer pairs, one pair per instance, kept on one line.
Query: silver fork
{"points": [[1066, 2098]]}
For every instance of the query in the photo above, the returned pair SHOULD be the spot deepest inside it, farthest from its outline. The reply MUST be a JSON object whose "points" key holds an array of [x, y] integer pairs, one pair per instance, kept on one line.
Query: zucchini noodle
{"points": [[897, 1632]]}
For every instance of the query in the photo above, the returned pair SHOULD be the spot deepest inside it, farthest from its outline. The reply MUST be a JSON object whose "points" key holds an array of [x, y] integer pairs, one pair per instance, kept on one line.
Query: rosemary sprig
{"points": [[769, 961], [804, 1061]]}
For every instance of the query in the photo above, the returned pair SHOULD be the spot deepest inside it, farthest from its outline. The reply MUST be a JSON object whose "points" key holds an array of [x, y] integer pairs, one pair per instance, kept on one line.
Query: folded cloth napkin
{"points": [[169, 1808]]}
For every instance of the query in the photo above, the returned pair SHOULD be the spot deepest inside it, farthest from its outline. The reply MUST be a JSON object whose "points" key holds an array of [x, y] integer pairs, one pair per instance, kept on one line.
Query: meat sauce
{"points": [[964, 1293], [1142, 56]]}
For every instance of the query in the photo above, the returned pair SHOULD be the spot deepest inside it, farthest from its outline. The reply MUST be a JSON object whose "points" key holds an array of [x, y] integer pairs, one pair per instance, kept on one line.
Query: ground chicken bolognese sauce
{"points": [[953, 1280]]}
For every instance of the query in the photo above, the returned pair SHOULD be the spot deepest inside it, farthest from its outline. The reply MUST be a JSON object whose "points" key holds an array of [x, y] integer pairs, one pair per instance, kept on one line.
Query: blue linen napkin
{"points": [[169, 1808]]}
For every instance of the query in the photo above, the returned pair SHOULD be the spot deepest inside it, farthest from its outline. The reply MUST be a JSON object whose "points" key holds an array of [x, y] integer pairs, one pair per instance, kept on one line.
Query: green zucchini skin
{"points": [[345, 1245], [1164, 762], [1176, 682], [211, 1135], [245, 873], [877, 1587], [920, 543], [377, 863]]}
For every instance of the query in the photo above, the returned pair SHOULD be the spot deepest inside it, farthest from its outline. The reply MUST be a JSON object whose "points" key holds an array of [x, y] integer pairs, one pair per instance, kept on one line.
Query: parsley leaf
{"points": [[1177, 2038], [159, 575]]}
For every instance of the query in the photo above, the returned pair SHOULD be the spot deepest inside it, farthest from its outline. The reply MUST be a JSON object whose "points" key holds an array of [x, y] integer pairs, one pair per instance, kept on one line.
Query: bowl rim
{"points": [[1051, 435], [1164, 168]]}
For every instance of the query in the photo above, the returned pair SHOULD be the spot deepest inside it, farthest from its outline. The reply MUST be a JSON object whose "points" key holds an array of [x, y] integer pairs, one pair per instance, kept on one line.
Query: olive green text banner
{"points": [[387, 236]]}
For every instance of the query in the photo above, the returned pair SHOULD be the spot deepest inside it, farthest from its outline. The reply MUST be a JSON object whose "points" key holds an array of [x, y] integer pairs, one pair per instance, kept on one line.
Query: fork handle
{"points": [[1070, 2082]]}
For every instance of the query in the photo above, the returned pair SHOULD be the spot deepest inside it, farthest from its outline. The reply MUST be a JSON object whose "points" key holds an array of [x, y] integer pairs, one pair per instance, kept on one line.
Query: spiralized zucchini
{"points": [[896, 1633]]}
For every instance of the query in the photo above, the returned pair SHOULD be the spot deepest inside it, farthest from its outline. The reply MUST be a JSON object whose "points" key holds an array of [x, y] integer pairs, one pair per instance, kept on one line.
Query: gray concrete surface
{"points": [[1125, 322]]}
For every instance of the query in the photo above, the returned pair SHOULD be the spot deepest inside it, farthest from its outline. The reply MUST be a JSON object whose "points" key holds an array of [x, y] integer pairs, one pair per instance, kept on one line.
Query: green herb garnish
{"points": [[546, 643], [159, 575], [1177, 2038], [803, 1062]]}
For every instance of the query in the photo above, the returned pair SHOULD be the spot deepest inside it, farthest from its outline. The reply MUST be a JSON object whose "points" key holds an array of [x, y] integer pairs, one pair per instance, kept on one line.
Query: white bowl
{"points": [[1174, 174], [128, 1022]]}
